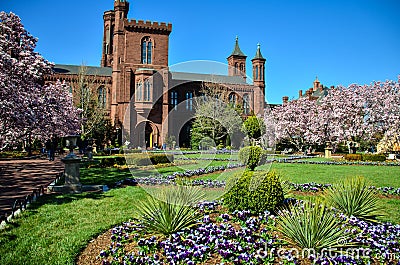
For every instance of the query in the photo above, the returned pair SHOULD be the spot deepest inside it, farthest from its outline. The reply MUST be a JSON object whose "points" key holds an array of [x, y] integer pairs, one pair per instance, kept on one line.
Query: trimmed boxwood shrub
{"points": [[146, 159], [137, 159], [374, 157], [365, 157], [161, 158], [254, 191], [107, 162], [250, 156], [353, 157], [111, 161]]}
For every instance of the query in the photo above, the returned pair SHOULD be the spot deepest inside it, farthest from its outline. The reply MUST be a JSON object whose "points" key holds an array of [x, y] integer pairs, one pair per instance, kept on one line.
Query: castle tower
{"points": [[258, 63], [113, 27], [316, 84], [237, 61], [258, 69]]}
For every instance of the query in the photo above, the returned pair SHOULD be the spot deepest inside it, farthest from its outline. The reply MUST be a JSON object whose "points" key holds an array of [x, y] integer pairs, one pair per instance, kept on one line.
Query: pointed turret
{"points": [[258, 63], [258, 68], [237, 61], [258, 53], [236, 51]]}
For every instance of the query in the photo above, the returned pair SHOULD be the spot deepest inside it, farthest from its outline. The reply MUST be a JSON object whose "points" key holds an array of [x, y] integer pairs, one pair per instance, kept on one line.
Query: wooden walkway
{"points": [[19, 178]]}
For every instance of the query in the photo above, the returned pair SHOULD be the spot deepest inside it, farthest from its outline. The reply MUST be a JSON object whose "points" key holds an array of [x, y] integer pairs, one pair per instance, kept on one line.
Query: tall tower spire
{"points": [[258, 68], [237, 61], [258, 63]]}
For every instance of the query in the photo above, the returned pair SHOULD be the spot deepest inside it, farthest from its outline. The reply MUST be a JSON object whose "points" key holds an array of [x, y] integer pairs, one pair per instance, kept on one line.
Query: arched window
{"points": [[147, 90], [139, 87], [174, 99], [147, 50], [232, 99], [241, 68], [236, 68], [256, 78], [262, 72], [102, 97], [246, 104], [189, 100]]}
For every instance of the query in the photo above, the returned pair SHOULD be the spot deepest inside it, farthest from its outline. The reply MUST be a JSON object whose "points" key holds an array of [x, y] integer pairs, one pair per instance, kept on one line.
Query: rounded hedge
{"points": [[254, 191], [250, 156]]}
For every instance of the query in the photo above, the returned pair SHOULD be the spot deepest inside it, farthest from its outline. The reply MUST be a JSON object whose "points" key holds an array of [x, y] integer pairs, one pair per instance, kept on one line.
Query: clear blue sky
{"points": [[340, 41]]}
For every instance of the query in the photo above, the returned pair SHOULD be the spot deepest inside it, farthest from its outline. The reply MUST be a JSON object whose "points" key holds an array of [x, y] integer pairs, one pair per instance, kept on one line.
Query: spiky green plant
{"points": [[286, 188], [353, 197], [171, 209], [312, 226]]}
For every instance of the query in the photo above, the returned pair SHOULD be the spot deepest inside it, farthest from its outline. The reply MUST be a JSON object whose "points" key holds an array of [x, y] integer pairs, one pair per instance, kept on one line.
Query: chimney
{"points": [[309, 93], [285, 99], [300, 93]]}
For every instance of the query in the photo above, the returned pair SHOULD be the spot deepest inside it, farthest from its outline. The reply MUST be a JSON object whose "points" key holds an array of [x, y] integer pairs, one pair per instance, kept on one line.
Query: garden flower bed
{"points": [[210, 183], [240, 238]]}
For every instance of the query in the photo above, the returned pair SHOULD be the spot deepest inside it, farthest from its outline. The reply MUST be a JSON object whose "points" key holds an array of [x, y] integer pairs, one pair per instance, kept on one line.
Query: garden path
{"points": [[18, 178]]}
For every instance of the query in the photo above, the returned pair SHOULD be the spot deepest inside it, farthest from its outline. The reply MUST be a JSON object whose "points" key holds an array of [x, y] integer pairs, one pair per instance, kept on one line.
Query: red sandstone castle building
{"points": [[139, 92]]}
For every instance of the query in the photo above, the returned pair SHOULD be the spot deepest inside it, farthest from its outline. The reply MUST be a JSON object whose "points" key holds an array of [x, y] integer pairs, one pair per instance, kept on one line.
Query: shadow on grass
{"points": [[59, 199]]}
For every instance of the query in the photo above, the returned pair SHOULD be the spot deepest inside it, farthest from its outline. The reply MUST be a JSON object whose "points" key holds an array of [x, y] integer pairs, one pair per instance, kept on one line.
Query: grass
{"points": [[56, 228], [108, 176], [379, 176]]}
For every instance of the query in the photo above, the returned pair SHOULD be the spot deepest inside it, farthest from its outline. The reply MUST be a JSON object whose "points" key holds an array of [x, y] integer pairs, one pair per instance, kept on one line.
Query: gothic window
{"points": [[246, 104], [102, 97], [139, 87], [236, 68], [241, 68], [174, 99], [189, 101], [232, 99], [147, 90], [256, 78], [262, 72], [147, 50]]}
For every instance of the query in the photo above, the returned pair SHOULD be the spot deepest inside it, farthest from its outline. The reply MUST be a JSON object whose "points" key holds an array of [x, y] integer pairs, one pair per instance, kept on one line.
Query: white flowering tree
{"points": [[354, 113], [295, 122], [29, 110]]}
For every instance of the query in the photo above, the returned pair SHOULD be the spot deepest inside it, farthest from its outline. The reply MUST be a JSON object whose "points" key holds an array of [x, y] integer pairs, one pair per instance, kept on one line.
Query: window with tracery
{"points": [[147, 50], [174, 99], [139, 87], [246, 104], [102, 97]]}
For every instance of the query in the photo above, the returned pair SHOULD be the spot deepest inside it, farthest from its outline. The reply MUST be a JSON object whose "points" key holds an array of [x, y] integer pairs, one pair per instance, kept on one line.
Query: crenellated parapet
{"points": [[149, 26]]}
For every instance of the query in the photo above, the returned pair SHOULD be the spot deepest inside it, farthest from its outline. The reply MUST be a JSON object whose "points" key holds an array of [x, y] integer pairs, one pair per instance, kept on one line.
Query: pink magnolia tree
{"points": [[295, 122], [29, 110], [342, 116], [382, 110], [355, 113]]}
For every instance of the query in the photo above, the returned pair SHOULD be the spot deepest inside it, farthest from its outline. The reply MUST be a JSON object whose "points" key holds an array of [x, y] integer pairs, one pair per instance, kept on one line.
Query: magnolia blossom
{"points": [[28, 109], [295, 121], [355, 113]]}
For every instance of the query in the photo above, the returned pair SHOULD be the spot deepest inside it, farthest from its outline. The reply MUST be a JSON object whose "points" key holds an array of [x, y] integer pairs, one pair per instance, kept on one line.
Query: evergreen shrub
{"points": [[250, 156], [254, 191], [374, 157], [353, 157]]}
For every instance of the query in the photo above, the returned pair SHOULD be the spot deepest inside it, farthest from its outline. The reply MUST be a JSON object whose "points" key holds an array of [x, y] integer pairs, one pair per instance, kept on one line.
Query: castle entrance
{"points": [[147, 135]]}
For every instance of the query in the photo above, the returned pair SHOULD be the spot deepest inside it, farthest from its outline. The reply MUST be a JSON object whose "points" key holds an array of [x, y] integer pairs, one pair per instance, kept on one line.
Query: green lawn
{"points": [[379, 176], [108, 176], [56, 228]]}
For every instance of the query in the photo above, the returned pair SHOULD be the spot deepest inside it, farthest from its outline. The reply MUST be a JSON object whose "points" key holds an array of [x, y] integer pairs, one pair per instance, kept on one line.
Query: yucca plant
{"points": [[287, 188], [173, 209], [312, 226], [353, 197]]}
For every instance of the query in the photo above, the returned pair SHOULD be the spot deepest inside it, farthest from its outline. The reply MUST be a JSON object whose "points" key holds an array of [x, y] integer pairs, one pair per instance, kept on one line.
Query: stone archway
{"points": [[147, 135]]}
